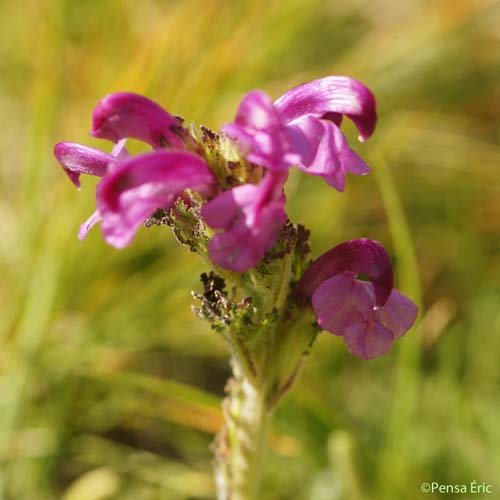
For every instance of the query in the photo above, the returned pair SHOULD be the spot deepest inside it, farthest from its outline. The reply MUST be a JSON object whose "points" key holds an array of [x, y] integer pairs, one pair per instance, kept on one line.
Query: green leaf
{"points": [[163, 387]]}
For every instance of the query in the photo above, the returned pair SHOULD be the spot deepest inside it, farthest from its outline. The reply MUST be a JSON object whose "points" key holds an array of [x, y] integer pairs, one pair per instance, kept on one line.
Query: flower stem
{"points": [[257, 385], [241, 443], [241, 353]]}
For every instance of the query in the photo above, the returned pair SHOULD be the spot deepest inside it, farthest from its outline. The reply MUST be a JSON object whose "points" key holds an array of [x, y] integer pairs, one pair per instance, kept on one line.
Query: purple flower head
{"points": [[137, 187], [263, 135], [302, 128], [369, 315], [252, 217], [125, 114]]}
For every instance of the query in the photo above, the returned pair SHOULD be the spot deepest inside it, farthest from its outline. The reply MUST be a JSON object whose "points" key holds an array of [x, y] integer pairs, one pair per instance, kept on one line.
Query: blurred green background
{"points": [[110, 387]]}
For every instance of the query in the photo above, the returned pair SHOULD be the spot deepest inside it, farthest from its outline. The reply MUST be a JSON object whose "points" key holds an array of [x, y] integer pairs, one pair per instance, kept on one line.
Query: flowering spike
{"points": [[125, 114], [252, 217], [359, 256], [77, 159], [330, 97], [263, 315], [129, 194]]}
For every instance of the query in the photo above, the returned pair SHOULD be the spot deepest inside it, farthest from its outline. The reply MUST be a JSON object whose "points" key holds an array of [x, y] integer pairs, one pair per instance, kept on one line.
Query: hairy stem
{"points": [[244, 357], [241, 443]]}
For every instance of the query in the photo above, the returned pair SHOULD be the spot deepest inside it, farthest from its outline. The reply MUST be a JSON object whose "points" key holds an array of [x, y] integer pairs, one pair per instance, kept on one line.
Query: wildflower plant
{"points": [[223, 196]]}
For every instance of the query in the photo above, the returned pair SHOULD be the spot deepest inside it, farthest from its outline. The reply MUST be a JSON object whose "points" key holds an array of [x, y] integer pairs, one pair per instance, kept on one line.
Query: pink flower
{"points": [[117, 117], [370, 315], [302, 128], [252, 217], [263, 135], [139, 186]]}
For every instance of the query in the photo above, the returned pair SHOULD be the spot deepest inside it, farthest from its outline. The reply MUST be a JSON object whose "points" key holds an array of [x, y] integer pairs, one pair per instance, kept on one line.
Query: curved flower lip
{"points": [[359, 256], [77, 159], [135, 188], [125, 114], [328, 98]]}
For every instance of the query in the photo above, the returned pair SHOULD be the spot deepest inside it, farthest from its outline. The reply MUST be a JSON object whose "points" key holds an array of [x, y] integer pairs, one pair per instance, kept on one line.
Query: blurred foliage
{"points": [[109, 385]]}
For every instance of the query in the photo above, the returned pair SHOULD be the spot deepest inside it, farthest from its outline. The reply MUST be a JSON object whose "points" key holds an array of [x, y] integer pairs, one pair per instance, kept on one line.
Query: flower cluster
{"points": [[301, 130]]}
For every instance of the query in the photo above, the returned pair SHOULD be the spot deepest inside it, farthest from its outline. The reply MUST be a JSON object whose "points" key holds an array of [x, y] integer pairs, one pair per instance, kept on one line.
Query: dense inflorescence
{"points": [[223, 196]]}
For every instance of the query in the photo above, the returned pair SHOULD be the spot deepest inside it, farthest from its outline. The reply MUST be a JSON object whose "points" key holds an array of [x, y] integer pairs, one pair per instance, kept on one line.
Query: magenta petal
{"points": [[346, 306], [333, 94], [298, 148], [125, 114], [120, 151], [252, 217], [77, 159], [336, 179], [322, 136], [368, 340], [256, 111], [329, 145], [256, 128], [220, 212], [398, 314], [341, 302], [89, 224], [333, 117], [243, 246], [138, 186], [332, 155], [359, 256], [230, 251], [354, 163], [119, 228]]}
